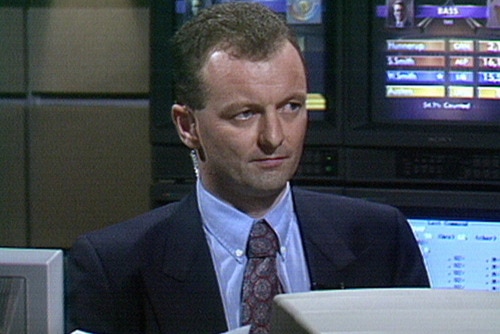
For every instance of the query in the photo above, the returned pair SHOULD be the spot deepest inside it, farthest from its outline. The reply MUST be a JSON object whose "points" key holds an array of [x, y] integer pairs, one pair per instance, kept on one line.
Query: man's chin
{"points": [[269, 187]]}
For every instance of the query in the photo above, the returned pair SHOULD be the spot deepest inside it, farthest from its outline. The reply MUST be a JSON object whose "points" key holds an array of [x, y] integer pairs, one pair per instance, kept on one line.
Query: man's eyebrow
{"points": [[302, 96], [235, 107]]}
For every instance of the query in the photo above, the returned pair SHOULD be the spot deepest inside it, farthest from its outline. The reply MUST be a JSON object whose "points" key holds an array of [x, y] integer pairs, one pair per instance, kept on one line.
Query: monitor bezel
{"points": [[43, 272]]}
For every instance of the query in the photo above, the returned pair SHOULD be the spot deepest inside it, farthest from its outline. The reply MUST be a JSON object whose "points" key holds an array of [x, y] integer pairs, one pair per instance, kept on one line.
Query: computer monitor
{"points": [[408, 311], [460, 253], [31, 291]]}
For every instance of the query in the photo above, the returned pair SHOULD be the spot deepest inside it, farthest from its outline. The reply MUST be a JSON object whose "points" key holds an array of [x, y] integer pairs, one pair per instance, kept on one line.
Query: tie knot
{"points": [[262, 242]]}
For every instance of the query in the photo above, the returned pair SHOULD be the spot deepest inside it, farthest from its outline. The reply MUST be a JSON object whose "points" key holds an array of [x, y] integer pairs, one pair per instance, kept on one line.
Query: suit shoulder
{"points": [[122, 236], [116, 247], [334, 202], [346, 213]]}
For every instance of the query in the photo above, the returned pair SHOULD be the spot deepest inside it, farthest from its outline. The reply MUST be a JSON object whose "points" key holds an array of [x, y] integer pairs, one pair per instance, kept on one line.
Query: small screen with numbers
{"points": [[436, 61], [460, 254]]}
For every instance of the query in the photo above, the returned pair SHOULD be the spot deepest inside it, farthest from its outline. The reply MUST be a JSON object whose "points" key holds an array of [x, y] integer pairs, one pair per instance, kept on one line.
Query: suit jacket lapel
{"points": [[327, 253], [179, 275]]}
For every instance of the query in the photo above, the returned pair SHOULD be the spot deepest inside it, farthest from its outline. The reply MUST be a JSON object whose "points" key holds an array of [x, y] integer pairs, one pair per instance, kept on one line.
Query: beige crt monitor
{"points": [[31, 291], [401, 311]]}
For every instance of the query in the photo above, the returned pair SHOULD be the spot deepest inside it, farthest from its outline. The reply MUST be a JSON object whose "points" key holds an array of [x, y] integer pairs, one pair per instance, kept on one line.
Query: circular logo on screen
{"points": [[304, 10]]}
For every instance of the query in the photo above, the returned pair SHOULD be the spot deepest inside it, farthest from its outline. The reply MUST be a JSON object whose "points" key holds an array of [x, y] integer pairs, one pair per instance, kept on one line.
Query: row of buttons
{"points": [[449, 166]]}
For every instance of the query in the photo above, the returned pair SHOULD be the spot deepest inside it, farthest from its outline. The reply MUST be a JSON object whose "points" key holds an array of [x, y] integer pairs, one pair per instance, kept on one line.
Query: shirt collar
{"points": [[231, 227]]}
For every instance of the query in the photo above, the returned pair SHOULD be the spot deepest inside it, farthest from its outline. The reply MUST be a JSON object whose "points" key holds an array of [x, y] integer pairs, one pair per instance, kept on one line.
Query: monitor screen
{"points": [[31, 291], [436, 61], [460, 254]]}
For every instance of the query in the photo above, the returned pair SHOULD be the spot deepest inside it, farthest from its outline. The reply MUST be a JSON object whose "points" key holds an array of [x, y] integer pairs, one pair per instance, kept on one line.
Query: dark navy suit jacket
{"points": [[154, 273]]}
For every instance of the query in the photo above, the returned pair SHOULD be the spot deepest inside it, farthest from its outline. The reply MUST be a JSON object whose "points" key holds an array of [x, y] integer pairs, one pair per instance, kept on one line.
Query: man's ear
{"points": [[185, 123]]}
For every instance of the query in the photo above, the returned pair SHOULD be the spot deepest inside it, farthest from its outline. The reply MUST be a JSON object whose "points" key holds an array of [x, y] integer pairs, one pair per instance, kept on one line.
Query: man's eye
{"points": [[244, 115], [292, 107]]}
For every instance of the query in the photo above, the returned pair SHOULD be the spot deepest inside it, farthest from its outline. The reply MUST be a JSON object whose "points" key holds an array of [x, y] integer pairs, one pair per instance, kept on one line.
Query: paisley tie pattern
{"points": [[260, 281]]}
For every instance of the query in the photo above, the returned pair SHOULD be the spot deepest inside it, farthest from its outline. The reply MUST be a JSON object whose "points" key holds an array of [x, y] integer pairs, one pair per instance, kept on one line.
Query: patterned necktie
{"points": [[260, 282]]}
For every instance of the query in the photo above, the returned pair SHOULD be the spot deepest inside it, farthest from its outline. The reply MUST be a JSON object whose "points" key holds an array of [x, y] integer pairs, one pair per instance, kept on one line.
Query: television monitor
{"points": [[433, 81], [421, 99], [31, 291], [317, 25]]}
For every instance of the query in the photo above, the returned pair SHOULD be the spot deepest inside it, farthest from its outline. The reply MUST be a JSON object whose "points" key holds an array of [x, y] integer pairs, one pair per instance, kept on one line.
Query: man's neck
{"points": [[259, 207], [256, 206]]}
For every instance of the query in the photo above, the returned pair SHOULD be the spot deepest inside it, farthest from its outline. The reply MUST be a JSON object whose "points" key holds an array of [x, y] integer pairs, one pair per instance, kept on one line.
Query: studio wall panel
{"points": [[89, 48], [13, 220], [89, 168], [12, 56]]}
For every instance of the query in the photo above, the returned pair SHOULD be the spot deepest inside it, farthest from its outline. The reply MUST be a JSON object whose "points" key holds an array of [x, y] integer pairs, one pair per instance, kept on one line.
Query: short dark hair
{"points": [[247, 30], [400, 3]]}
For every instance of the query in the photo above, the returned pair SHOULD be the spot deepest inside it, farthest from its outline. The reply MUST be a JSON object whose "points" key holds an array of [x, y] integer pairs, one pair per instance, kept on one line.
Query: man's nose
{"points": [[271, 134]]}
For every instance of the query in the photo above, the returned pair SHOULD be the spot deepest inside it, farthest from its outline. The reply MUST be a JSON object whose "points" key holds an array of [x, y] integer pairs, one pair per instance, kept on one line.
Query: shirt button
{"points": [[239, 253], [283, 250]]}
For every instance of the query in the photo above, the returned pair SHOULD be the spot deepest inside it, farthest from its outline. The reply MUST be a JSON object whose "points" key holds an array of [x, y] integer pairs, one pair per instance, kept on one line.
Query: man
{"points": [[241, 92], [493, 14], [400, 17]]}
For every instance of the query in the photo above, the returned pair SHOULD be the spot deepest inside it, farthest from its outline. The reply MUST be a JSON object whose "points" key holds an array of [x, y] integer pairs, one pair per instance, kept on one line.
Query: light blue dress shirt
{"points": [[227, 230]]}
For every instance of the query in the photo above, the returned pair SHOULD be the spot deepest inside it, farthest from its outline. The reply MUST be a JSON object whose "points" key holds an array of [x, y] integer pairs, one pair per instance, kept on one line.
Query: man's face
{"points": [[252, 130], [196, 6], [398, 12]]}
